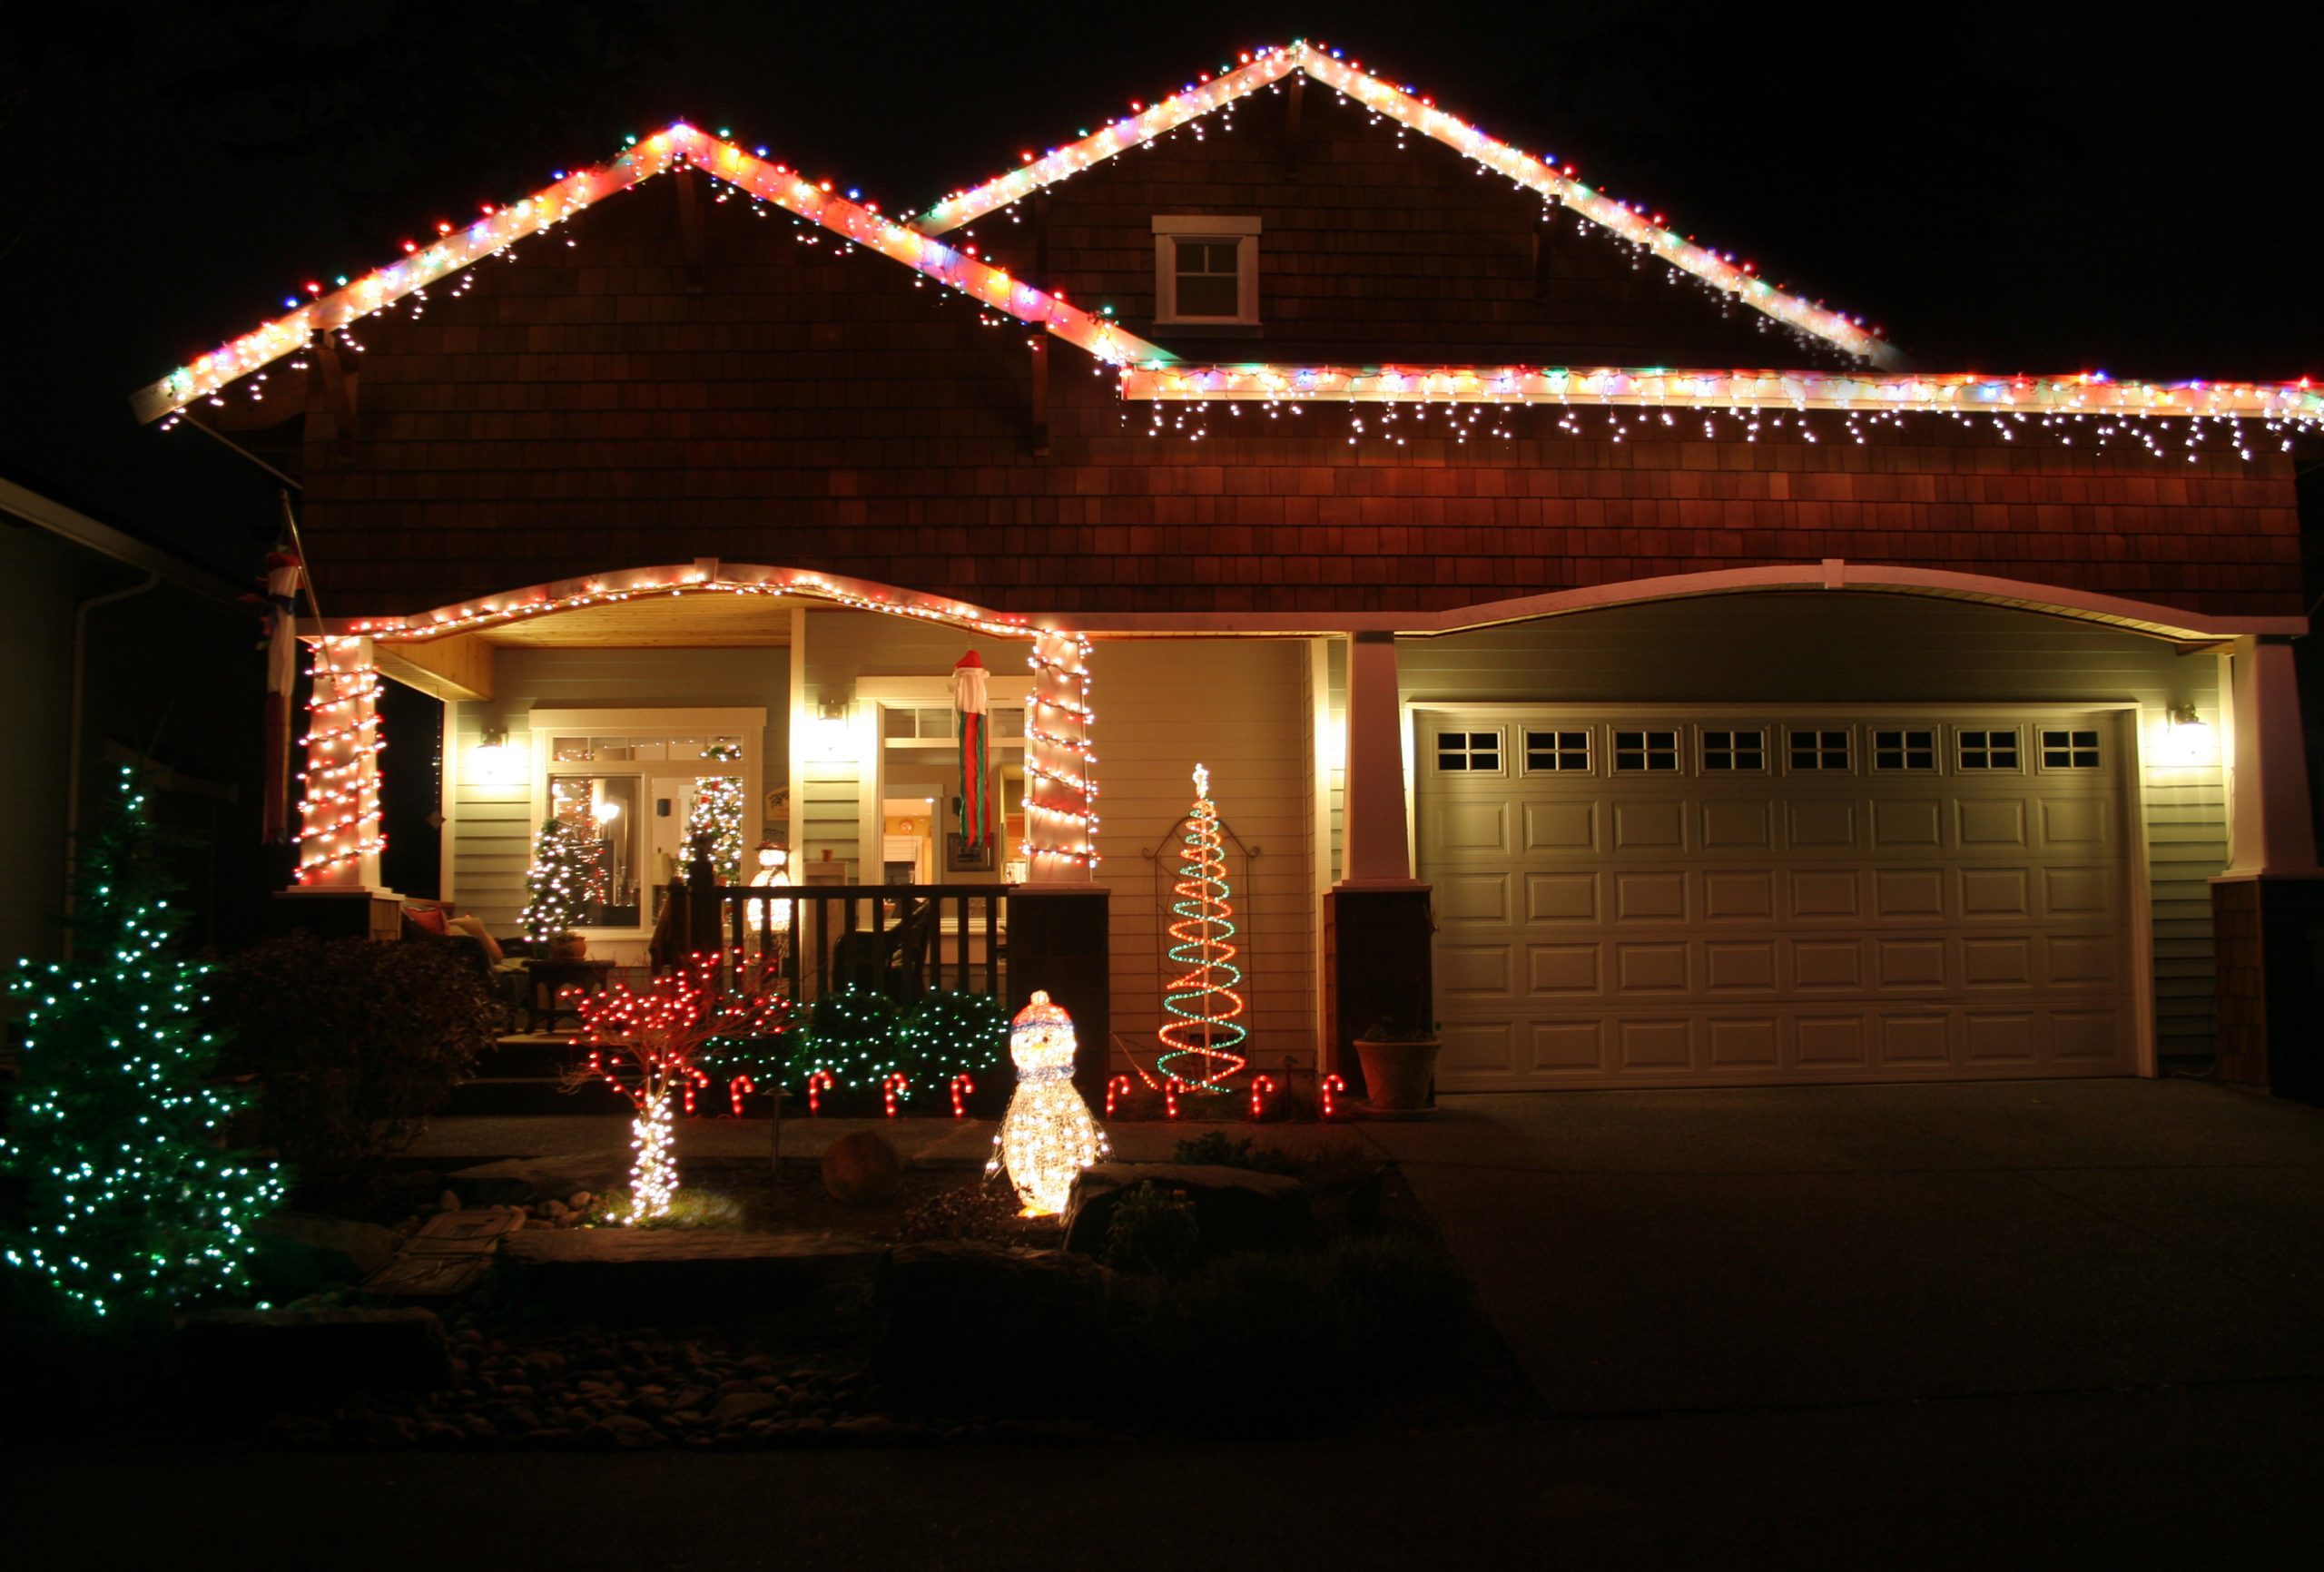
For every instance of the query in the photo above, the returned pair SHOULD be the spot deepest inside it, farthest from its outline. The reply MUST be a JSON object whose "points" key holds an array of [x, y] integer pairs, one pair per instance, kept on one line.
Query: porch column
{"points": [[1377, 922], [2267, 907], [1056, 918], [339, 836]]}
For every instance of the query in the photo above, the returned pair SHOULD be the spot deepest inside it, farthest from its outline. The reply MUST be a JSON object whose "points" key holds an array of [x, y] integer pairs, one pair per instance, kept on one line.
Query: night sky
{"points": [[2001, 187]]}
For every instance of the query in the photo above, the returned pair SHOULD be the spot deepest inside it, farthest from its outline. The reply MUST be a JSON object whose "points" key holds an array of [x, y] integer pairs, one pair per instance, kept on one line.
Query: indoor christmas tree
{"points": [[565, 861], [1201, 1041], [717, 815], [129, 1202]]}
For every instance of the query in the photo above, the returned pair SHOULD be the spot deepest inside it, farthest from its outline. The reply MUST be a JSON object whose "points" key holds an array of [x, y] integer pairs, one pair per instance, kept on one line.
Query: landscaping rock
{"points": [[737, 1408], [1235, 1208], [862, 1169], [521, 1180], [310, 1356], [299, 1252], [953, 1314], [705, 1269]]}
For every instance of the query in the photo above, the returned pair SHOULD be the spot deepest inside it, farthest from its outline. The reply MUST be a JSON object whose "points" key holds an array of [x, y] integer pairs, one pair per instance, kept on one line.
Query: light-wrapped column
{"points": [[1061, 770], [338, 809]]}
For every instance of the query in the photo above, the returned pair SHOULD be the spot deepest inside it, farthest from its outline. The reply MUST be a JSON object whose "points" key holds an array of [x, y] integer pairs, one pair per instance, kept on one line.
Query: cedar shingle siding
{"points": [[584, 409]]}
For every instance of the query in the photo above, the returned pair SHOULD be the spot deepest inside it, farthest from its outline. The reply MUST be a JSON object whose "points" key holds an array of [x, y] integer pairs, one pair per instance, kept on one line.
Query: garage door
{"points": [[1702, 897]]}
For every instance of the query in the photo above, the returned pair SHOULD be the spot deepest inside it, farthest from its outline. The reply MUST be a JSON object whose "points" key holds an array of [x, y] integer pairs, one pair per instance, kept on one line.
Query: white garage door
{"points": [[1665, 898]]}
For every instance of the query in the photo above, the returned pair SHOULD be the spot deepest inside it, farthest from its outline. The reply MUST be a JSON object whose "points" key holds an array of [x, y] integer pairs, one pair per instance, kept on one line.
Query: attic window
{"points": [[1206, 271]]}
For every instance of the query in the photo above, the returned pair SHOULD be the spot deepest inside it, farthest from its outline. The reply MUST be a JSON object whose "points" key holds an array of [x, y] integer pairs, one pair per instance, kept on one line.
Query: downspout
{"points": [[73, 745]]}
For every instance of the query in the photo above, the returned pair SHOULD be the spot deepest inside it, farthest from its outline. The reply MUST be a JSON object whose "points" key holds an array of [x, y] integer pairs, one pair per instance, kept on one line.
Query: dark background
{"points": [[2001, 187]]}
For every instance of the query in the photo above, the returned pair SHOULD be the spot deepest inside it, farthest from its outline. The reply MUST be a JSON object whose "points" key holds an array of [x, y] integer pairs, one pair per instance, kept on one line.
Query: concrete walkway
{"points": [[1706, 1250], [1710, 1251]]}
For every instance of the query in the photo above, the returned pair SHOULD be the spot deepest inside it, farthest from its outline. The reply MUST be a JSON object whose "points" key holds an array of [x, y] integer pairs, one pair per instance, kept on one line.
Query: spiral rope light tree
{"points": [[1199, 1045]]}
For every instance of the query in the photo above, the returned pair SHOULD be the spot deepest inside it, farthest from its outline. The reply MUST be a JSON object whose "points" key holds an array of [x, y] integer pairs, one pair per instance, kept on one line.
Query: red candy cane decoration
{"points": [[738, 1088], [964, 1085], [818, 1083], [1262, 1088], [1332, 1085], [896, 1082], [1115, 1088]]}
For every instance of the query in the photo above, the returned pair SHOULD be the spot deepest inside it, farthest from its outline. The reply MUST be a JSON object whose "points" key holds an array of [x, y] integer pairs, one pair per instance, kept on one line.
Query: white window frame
{"points": [[549, 724], [1586, 731], [1469, 749], [1988, 730], [1905, 730], [1646, 731], [1732, 730], [2041, 750], [1169, 230]]}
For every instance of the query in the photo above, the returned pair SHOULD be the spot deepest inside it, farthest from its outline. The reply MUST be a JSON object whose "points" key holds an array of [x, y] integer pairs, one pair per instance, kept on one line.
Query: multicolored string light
{"points": [[1202, 1040], [645, 1044]]}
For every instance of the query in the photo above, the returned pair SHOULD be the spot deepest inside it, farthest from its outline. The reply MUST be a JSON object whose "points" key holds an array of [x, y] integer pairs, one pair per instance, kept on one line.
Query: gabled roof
{"points": [[1262, 68], [655, 154], [1151, 373]]}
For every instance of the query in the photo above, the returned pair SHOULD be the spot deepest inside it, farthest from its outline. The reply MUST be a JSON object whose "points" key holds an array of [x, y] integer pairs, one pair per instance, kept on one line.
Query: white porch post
{"points": [[1378, 848], [2273, 829], [339, 810], [1061, 786]]}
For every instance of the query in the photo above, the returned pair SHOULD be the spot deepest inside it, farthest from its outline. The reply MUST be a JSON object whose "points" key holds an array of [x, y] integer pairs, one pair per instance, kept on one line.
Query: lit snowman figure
{"points": [[1049, 1135]]}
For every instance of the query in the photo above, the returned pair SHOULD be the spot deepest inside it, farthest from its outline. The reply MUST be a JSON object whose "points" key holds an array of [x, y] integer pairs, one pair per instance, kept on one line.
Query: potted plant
{"points": [[1399, 1062]]}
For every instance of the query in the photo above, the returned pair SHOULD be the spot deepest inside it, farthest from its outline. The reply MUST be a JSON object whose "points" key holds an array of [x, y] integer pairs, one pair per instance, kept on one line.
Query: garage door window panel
{"points": [[1557, 752], [1732, 752], [1986, 749], [2069, 749], [1468, 753], [1819, 750], [1904, 749], [1646, 753]]}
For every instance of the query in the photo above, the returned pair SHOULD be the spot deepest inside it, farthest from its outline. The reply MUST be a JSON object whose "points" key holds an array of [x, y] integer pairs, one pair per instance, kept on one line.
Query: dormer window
{"points": [[1206, 271]]}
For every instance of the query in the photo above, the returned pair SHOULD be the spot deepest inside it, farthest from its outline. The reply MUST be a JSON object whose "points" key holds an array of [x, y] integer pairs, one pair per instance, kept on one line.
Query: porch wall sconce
{"points": [[2189, 738], [493, 763], [832, 738]]}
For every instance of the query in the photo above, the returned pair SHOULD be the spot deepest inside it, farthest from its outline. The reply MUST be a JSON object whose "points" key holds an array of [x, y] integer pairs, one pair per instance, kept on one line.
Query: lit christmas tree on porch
{"points": [[130, 1202], [558, 885], [716, 817], [1201, 1041]]}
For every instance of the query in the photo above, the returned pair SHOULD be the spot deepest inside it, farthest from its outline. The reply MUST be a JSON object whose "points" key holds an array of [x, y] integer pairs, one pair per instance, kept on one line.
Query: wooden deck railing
{"points": [[905, 939]]}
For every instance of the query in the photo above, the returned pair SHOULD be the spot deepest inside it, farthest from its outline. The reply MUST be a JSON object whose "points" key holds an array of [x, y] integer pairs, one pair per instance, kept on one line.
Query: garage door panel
{"points": [[1657, 827], [1905, 964], [1744, 1043], [1911, 824], [1747, 826], [1824, 895], [1563, 970], [1992, 824], [1476, 970], [1739, 895], [1833, 1042], [1856, 921], [1662, 1047], [1658, 896], [1826, 965], [1822, 827], [1651, 969], [1996, 894], [1562, 827], [1570, 1047], [1739, 967], [1562, 898], [1913, 894], [1474, 897]]}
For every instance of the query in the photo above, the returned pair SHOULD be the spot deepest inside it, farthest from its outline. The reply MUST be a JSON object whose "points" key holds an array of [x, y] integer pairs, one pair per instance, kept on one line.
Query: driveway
{"points": [[1713, 1250]]}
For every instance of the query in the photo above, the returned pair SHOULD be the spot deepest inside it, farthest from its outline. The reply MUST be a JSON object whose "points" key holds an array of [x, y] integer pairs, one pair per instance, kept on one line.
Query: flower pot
{"points": [[1398, 1075], [567, 946]]}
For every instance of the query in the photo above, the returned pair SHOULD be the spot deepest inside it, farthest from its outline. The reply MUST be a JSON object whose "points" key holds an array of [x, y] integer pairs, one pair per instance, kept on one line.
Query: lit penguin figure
{"points": [[1049, 1135]]}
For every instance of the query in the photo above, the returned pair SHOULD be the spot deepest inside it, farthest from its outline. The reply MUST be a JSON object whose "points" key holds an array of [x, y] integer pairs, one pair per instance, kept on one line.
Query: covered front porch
{"points": [[816, 716]]}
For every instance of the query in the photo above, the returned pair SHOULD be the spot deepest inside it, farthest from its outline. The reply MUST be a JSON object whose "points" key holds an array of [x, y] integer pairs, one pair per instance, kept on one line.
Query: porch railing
{"points": [[903, 939]]}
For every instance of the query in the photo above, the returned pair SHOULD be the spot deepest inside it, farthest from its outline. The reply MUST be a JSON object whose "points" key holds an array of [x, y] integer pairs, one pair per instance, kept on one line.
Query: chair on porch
{"points": [[893, 961]]}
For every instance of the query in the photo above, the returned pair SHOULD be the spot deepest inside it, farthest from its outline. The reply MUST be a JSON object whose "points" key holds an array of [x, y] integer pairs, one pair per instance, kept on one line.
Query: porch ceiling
{"points": [[654, 621]]}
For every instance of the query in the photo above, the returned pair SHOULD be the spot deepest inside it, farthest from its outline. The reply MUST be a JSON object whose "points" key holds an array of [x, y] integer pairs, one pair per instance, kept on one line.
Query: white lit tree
{"points": [[565, 861], [716, 817]]}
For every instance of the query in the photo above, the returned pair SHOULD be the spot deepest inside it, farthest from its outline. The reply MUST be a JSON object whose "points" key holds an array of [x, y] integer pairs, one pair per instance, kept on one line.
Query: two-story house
{"points": [[1667, 723]]}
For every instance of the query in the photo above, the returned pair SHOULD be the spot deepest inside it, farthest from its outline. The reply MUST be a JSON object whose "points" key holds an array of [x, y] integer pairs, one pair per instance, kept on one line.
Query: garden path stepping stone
{"points": [[468, 1233], [695, 1266], [427, 1276]]}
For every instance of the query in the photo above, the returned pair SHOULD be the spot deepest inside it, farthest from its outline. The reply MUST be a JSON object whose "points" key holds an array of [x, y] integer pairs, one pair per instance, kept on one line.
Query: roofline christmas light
{"points": [[1952, 393], [679, 145], [1264, 67]]}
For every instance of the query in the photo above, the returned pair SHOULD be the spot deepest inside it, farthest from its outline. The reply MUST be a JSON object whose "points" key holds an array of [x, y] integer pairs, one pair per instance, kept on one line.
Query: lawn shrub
{"points": [[1212, 1147], [1152, 1229], [354, 1043]]}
